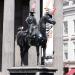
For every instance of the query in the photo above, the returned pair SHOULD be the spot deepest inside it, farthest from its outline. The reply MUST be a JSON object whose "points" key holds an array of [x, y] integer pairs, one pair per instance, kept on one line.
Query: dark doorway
{"points": [[21, 13], [41, 8], [1, 30]]}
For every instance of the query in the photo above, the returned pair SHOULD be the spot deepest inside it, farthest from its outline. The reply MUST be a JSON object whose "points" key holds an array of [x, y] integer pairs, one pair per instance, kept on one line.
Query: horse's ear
{"points": [[33, 6]]}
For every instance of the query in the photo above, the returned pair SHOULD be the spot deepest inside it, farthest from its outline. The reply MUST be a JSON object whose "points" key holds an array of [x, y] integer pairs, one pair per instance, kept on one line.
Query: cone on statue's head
{"points": [[32, 11]]}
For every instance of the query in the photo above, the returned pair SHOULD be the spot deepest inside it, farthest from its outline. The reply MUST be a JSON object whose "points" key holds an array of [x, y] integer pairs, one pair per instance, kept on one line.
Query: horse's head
{"points": [[49, 19]]}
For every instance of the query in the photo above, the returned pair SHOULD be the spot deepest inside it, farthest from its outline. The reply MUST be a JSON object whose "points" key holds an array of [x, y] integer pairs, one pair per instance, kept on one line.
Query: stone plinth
{"points": [[32, 70]]}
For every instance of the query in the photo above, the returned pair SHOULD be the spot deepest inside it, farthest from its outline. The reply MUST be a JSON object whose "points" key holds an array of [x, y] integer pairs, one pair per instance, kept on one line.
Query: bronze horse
{"points": [[35, 35]]}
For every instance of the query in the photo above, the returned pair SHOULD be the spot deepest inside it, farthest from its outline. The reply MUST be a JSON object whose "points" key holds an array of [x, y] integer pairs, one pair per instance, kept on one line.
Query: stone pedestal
{"points": [[32, 70]]}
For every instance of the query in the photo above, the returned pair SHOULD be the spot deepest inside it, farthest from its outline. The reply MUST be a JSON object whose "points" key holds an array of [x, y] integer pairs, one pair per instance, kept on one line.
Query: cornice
{"points": [[69, 10]]}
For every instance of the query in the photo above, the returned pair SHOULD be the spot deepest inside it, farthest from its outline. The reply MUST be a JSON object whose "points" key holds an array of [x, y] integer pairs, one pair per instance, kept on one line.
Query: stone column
{"points": [[58, 35], [8, 36]]}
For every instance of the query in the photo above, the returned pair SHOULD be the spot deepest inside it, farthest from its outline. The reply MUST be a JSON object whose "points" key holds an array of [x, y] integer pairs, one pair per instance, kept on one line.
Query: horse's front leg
{"points": [[37, 50], [21, 54], [44, 55]]}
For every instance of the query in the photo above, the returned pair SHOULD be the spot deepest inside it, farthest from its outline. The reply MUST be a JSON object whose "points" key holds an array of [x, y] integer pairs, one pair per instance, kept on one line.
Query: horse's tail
{"points": [[20, 38]]}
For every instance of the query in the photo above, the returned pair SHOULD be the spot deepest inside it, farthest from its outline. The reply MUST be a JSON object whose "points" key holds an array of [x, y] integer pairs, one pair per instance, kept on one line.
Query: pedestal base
{"points": [[32, 71]]}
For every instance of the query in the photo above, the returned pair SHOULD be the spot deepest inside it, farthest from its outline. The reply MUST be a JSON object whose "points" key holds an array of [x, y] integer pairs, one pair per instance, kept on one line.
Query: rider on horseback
{"points": [[31, 21], [34, 35], [33, 31]]}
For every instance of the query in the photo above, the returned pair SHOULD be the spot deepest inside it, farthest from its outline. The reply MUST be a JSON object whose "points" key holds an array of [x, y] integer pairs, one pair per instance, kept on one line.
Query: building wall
{"points": [[69, 37]]}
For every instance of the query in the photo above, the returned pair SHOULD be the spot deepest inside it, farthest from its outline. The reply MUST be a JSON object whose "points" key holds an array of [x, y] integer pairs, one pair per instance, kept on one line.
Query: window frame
{"points": [[65, 50], [65, 27]]}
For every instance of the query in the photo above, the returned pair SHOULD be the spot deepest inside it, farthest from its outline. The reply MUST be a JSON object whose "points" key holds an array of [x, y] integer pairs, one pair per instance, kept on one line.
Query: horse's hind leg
{"points": [[37, 49], [43, 58], [44, 54], [21, 62], [21, 59]]}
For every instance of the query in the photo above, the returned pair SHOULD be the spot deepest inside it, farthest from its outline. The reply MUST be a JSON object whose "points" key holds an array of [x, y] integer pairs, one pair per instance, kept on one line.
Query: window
{"points": [[70, 2], [65, 48], [73, 1], [65, 3], [66, 55], [74, 48], [74, 25], [65, 27]]}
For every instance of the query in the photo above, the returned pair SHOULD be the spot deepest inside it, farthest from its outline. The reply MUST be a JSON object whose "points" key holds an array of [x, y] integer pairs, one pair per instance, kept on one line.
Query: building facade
{"points": [[69, 33], [12, 15]]}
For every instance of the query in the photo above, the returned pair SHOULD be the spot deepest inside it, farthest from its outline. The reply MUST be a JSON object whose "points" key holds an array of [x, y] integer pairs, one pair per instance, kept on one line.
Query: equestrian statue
{"points": [[34, 35]]}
